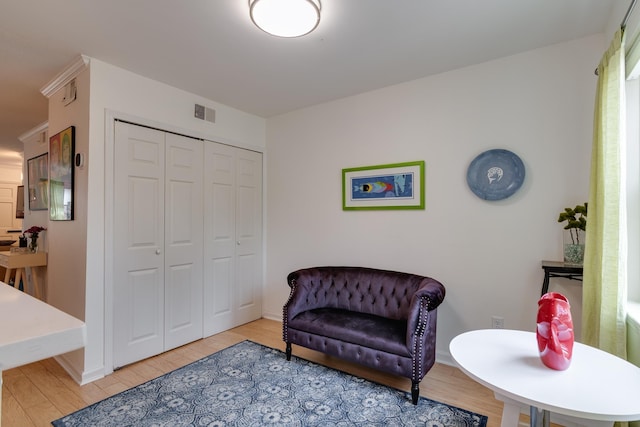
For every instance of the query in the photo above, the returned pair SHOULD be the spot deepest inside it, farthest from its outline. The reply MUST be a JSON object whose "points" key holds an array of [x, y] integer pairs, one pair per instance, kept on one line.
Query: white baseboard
{"points": [[271, 316], [81, 378]]}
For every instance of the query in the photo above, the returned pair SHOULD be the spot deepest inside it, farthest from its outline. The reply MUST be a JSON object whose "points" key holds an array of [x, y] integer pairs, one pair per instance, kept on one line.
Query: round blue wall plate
{"points": [[495, 174]]}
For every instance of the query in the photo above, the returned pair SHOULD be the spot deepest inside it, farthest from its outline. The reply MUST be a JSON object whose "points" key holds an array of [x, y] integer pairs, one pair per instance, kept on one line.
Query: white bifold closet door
{"points": [[158, 242], [233, 230]]}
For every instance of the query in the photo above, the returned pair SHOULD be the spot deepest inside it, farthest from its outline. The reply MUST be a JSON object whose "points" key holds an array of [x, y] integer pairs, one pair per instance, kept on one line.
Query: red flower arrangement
{"points": [[35, 229]]}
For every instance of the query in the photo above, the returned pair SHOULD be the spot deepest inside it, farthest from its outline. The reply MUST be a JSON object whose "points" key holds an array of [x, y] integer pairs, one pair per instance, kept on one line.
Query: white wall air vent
{"points": [[205, 113]]}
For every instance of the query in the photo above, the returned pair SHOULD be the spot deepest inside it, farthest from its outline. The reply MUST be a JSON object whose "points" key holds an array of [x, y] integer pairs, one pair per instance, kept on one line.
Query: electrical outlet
{"points": [[497, 322]]}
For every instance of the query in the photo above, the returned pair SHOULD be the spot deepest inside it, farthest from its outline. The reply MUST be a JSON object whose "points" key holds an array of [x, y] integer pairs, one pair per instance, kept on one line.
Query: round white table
{"points": [[596, 390]]}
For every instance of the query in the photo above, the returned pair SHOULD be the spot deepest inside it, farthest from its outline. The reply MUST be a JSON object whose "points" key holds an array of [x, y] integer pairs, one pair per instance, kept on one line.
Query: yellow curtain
{"points": [[605, 284]]}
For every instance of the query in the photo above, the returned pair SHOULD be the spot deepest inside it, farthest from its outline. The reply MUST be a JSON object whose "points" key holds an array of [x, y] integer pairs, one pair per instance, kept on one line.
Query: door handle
{"points": [[158, 251]]}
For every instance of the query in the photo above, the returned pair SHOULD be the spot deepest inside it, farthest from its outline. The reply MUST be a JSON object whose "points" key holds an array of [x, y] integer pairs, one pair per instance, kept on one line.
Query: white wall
{"points": [[10, 173], [67, 257], [538, 104]]}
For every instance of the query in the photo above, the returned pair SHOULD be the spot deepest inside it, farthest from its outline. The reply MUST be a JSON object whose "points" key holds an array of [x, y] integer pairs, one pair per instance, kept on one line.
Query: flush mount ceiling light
{"points": [[285, 18]]}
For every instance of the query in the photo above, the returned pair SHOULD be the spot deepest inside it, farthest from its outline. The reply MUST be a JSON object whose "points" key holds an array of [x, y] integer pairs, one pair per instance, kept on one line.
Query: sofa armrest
{"points": [[427, 298], [431, 290], [298, 300]]}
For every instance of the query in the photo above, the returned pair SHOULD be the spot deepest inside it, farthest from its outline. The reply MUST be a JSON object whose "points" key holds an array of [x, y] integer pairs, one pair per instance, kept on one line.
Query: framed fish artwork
{"points": [[392, 186]]}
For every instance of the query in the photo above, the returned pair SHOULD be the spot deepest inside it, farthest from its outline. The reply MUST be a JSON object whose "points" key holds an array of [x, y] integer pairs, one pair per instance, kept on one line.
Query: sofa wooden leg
{"points": [[288, 351], [415, 392]]}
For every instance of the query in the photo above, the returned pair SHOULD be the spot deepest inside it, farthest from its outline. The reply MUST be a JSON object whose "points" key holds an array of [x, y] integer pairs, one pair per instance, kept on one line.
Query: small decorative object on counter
{"points": [[19, 250], [34, 231], [23, 241], [554, 331]]}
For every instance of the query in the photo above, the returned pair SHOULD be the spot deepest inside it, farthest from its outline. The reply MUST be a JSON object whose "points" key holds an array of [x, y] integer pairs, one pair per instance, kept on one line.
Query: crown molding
{"points": [[68, 74], [42, 127]]}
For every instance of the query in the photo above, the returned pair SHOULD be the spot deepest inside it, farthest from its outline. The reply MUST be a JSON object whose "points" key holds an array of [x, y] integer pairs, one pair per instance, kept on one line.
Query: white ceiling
{"points": [[211, 48]]}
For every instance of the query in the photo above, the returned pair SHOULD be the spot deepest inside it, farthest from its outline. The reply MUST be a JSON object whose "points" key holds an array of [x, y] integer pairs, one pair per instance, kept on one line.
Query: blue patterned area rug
{"points": [[252, 385]]}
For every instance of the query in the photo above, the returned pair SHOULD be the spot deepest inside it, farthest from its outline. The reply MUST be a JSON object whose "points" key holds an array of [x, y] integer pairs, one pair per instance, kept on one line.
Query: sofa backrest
{"points": [[365, 290]]}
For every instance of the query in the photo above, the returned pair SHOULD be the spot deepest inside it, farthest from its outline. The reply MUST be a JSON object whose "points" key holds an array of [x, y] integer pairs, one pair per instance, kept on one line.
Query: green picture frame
{"points": [[384, 187]]}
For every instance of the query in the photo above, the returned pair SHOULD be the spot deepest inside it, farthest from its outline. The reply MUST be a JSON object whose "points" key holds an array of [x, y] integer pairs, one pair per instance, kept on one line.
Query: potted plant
{"points": [[574, 236]]}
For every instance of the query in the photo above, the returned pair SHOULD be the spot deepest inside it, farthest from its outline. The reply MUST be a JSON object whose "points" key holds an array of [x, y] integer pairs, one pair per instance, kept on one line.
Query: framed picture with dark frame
{"points": [[391, 186], [61, 174], [38, 182]]}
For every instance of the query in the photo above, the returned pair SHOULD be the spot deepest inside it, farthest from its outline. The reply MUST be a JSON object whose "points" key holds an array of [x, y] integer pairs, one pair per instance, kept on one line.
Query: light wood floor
{"points": [[38, 393]]}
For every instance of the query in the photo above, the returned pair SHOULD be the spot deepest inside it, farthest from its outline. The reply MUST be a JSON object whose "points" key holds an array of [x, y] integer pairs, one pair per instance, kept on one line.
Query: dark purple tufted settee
{"points": [[382, 319]]}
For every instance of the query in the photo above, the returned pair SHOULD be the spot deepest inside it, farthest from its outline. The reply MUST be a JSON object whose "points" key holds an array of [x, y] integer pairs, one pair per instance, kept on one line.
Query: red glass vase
{"points": [[554, 331]]}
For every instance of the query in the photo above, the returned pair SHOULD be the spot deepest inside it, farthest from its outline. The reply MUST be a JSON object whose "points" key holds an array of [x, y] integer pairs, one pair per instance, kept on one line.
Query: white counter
{"points": [[31, 330]]}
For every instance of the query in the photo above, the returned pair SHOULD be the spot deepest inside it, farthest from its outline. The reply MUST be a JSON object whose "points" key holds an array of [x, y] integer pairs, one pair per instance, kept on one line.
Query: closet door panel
{"points": [[248, 236], [222, 274], [180, 312], [138, 244], [221, 213], [183, 240], [220, 243], [247, 296], [222, 221], [144, 326], [144, 222], [233, 245], [218, 288]]}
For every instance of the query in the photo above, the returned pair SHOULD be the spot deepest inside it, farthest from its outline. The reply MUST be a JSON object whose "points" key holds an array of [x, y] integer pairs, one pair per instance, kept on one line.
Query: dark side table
{"points": [[559, 269]]}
